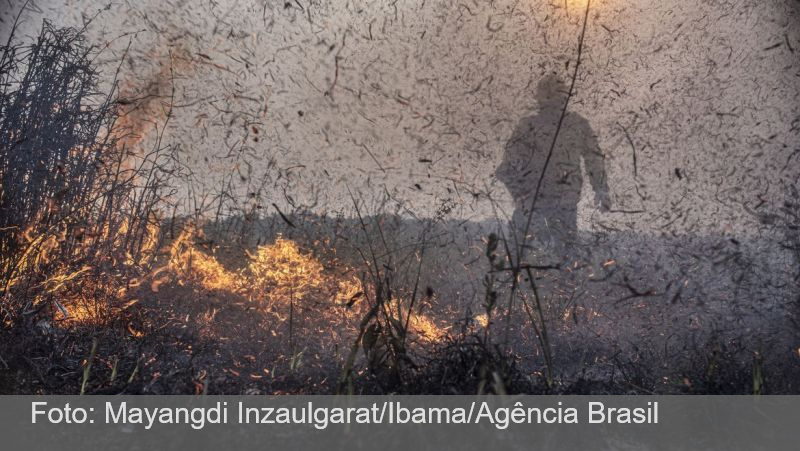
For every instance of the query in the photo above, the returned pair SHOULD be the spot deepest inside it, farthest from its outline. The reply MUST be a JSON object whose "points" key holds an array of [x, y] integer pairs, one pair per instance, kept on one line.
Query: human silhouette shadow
{"points": [[554, 221]]}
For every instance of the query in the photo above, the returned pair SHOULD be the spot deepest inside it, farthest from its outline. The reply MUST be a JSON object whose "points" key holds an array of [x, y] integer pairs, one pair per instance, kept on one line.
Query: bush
{"points": [[78, 210]]}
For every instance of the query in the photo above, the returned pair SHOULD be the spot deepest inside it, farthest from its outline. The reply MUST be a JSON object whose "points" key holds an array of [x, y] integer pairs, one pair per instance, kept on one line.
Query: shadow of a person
{"points": [[553, 225]]}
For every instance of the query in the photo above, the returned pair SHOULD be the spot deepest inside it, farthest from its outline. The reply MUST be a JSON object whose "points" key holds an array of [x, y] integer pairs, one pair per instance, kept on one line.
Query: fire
{"points": [[482, 320], [149, 242], [194, 265], [37, 253], [426, 329], [420, 326], [69, 288], [349, 291], [78, 311], [282, 270], [278, 271]]}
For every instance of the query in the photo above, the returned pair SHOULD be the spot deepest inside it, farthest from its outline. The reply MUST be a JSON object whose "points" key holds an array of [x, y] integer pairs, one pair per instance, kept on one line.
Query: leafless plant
{"points": [[76, 203]]}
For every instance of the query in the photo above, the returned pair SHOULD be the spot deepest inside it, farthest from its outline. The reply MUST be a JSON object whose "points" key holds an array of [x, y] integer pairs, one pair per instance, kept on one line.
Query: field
{"points": [[561, 269]]}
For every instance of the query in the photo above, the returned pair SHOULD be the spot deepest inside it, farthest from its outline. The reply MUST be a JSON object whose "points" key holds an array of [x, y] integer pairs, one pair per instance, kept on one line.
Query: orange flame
{"points": [[193, 265], [281, 269], [276, 271]]}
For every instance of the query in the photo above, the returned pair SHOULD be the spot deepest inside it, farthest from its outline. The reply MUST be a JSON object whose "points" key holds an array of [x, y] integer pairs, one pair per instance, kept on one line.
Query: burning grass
{"points": [[98, 294], [281, 270], [274, 273], [81, 285], [193, 265], [79, 211], [80, 243]]}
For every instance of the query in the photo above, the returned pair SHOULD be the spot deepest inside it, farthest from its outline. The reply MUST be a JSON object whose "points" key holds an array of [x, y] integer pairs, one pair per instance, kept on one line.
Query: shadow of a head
{"points": [[551, 92]]}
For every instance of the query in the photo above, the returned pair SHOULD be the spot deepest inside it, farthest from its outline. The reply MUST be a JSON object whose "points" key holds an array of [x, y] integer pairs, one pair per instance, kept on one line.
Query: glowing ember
{"points": [[426, 329], [482, 320]]}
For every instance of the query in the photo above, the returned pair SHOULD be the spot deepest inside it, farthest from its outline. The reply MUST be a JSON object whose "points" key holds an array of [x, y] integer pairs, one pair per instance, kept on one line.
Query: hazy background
{"points": [[418, 98]]}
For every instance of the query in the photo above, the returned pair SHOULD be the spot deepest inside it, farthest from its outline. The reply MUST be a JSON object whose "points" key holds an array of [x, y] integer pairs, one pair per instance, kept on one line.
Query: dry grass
{"points": [[103, 294]]}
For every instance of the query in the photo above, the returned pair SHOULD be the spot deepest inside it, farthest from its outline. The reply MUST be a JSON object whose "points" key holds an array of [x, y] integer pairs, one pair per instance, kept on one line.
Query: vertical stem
{"points": [[291, 320]]}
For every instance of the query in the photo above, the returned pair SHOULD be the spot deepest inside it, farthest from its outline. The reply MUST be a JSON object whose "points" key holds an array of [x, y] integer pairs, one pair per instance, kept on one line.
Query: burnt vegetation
{"points": [[109, 284]]}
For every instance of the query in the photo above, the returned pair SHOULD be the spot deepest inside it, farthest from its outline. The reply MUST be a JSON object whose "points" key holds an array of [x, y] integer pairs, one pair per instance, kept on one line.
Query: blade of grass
{"points": [[87, 370]]}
